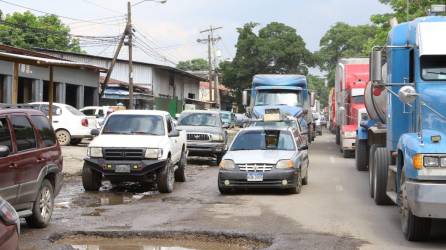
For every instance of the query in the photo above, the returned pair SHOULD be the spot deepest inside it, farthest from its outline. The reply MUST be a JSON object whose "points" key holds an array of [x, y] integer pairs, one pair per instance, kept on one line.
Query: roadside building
{"points": [[156, 86]]}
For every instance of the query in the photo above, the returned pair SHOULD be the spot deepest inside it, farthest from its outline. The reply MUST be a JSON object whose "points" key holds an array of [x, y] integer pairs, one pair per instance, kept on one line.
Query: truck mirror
{"points": [[376, 66], [407, 94], [312, 99], [245, 98]]}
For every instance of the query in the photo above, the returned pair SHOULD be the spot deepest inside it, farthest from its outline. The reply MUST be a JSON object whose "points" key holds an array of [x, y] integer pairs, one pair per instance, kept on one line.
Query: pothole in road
{"points": [[177, 241]]}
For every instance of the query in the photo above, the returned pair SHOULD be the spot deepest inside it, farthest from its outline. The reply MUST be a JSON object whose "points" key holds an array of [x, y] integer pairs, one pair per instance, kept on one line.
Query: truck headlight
{"points": [[153, 153], [350, 134], [431, 161], [217, 137], [227, 164], [94, 152], [285, 164], [443, 162]]}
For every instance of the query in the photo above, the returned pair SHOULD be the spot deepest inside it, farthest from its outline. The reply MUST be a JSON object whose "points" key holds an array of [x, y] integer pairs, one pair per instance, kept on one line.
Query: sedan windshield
{"points": [[279, 97], [199, 119], [134, 124], [263, 140]]}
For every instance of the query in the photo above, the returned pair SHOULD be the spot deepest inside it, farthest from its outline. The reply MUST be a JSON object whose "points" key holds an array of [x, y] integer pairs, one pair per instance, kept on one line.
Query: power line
{"points": [[102, 7]]}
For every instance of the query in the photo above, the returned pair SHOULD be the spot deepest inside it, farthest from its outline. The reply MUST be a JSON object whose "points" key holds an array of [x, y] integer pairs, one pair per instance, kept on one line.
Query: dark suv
{"points": [[30, 164]]}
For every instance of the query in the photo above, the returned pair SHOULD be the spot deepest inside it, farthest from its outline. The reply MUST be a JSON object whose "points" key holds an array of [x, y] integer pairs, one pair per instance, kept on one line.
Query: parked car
{"points": [[30, 164], [9, 226], [100, 112], [136, 146], [323, 121], [228, 119], [205, 133], [70, 124], [241, 120], [264, 157], [317, 122]]}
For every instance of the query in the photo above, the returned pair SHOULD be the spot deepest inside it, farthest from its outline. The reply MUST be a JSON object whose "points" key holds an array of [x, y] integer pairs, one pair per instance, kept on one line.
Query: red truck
{"points": [[352, 75], [332, 110]]}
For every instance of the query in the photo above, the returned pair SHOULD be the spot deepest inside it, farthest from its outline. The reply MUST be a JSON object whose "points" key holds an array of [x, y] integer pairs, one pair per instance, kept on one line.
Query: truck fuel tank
{"points": [[376, 102]]}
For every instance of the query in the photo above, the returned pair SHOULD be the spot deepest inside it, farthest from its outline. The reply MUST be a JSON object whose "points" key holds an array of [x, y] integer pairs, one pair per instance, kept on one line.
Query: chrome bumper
{"points": [[426, 199]]}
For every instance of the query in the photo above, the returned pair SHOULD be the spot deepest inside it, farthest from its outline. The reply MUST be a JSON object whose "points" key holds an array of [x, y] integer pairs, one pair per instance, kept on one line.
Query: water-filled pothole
{"points": [[169, 241]]}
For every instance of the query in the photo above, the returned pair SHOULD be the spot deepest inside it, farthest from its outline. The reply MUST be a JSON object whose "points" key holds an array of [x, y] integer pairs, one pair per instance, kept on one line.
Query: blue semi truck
{"points": [[403, 143], [288, 93]]}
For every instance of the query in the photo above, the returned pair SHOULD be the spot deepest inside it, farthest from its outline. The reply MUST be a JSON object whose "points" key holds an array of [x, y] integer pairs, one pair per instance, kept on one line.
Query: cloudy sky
{"points": [[173, 28]]}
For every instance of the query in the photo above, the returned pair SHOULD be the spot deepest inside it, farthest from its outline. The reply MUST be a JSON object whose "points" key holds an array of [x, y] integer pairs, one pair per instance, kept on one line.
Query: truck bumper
{"points": [[348, 144], [427, 200], [205, 148]]}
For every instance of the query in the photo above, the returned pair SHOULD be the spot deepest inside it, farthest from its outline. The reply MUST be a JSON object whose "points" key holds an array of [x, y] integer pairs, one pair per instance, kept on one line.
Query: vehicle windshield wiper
{"points": [[244, 149], [143, 133], [436, 73], [116, 133]]}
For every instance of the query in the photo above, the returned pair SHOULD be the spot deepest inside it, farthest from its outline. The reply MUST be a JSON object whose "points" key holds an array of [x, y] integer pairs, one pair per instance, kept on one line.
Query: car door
{"points": [[173, 140], [8, 185], [57, 112], [28, 157]]}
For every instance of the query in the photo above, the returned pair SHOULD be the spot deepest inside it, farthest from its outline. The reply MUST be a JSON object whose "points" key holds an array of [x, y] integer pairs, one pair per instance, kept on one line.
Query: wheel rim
{"points": [[404, 208], [45, 203], [62, 137]]}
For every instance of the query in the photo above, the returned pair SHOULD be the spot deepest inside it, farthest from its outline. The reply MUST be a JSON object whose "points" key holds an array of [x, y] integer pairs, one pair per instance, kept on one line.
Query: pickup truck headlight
{"points": [[285, 164], [350, 134], [227, 164], [153, 153], [94, 152], [431, 161], [217, 137]]}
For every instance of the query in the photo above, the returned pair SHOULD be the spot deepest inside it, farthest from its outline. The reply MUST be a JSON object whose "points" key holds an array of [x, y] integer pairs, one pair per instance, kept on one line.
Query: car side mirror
{"points": [[94, 132], [174, 133], [303, 147], [4, 151]]}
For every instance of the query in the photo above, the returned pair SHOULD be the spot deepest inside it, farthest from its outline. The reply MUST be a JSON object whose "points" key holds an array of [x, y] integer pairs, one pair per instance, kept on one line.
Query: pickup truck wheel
{"points": [[91, 180], [361, 155], [180, 175], [381, 164], [63, 137], [414, 228], [42, 207], [371, 169], [166, 178]]}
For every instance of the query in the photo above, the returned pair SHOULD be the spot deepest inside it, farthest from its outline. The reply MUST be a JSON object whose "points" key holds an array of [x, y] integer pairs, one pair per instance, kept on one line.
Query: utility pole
{"points": [[213, 74], [130, 44]]}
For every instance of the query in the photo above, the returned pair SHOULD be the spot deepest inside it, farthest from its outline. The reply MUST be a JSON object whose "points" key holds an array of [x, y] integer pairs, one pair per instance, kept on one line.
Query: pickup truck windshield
{"points": [[263, 140], [433, 68], [199, 119], [279, 97], [134, 124]]}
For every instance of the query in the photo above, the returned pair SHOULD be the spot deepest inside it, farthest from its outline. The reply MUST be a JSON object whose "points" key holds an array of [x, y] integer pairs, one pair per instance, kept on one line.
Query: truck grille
{"points": [[123, 154], [256, 167], [198, 137]]}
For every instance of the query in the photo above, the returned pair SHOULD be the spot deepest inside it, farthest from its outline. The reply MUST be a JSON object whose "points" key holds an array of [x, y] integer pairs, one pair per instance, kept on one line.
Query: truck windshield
{"points": [[199, 119], [263, 140], [134, 124], [433, 68], [358, 99], [279, 97]]}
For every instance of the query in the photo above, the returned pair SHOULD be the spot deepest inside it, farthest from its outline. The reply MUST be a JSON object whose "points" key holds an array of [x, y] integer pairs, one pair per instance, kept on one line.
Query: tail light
{"points": [[84, 122], [8, 214]]}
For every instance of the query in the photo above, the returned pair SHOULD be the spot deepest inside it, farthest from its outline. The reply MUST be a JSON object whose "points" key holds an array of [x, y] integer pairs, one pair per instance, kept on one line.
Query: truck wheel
{"points": [[166, 178], [63, 137], [338, 135], [361, 155], [414, 228], [91, 180], [347, 153], [180, 175], [298, 188], [42, 207], [371, 169], [381, 165]]}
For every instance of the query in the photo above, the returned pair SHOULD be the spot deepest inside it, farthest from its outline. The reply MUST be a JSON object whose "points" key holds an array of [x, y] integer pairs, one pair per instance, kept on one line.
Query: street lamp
{"points": [[159, 1]]}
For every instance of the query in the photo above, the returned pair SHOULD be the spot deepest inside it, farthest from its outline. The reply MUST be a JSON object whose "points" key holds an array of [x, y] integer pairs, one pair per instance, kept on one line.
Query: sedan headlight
{"points": [[94, 152], [227, 164], [350, 134], [285, 164], [153, 153], [217, 137]]}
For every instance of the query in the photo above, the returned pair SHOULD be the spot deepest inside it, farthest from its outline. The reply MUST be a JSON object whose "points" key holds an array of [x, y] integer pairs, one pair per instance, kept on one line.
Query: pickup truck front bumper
{"points": [[427, 199], [206, 148], [138, 169]]}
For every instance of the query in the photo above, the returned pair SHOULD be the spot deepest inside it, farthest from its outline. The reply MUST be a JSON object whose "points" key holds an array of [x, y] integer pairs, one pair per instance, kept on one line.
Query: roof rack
{"points": [[17, 106]]}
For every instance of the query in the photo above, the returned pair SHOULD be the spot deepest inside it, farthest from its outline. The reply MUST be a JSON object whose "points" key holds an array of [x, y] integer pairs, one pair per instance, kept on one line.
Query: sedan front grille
{"points": [[198, 137], [256, 167], [123, 154]]}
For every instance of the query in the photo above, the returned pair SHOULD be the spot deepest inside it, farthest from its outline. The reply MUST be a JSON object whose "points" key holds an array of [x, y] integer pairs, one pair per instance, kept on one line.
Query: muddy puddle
{"points": [[82, 242]]}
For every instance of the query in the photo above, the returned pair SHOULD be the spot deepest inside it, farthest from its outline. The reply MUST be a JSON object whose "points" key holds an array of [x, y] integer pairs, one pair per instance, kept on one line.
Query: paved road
{"points": [[333, 211]]}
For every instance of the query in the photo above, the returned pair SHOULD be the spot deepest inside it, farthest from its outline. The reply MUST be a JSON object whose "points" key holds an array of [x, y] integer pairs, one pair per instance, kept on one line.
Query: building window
{"points": [[191, 96]]}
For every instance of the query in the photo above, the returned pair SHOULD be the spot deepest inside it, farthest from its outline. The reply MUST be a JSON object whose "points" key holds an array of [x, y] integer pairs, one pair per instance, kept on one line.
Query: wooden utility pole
{"points": [[130, 40], [15, 83], [211, 70], [113, 62]]}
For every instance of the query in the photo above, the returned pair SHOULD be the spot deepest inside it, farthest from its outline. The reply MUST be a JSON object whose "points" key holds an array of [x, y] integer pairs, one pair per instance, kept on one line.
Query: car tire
{"points": [[414, 228], [180, 175], [305, 180], [91, 180], [371, 169], [298, 188], [43, 206], [361, 155], [166, 178], [75, 142], [338, 135], [381, 165], [346, 153], [63, 136]]}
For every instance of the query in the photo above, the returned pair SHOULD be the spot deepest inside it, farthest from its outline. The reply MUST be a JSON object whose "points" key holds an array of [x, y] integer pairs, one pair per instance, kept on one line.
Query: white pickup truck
{"points": [[136, 146]]}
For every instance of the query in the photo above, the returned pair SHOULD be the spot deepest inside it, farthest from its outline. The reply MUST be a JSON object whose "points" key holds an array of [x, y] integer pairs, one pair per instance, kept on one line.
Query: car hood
{"points": [[200, 129], [258, 156], [128, 141]]}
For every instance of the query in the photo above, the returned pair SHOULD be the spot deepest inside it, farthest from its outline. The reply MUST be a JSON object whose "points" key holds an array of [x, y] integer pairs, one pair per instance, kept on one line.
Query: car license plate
{"points": [[254, 176], [122, 169]]}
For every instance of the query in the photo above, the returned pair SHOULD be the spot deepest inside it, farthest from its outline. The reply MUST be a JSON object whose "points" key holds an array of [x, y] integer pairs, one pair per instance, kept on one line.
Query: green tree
{"points": [[25, 30], [317, 84], [197, 64]]}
